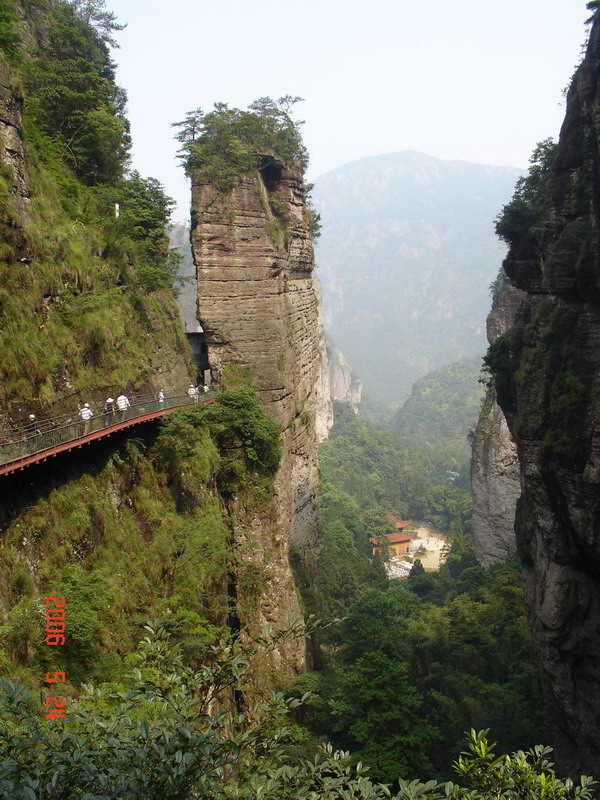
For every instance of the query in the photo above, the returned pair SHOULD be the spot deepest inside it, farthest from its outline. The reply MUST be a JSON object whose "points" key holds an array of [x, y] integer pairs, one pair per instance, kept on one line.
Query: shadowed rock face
{"points": [[256, 302], [11, 144], [551, 397], [495, 481]]}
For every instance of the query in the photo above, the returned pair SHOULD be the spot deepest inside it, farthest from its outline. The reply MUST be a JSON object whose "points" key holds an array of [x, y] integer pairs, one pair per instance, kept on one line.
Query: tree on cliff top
{"points": [[71, 94], [520, 216], [227, 143]]}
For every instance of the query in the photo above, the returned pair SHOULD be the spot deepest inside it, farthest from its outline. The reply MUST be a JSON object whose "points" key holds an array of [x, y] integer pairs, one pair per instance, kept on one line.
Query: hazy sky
{"points": [[477, 80]]}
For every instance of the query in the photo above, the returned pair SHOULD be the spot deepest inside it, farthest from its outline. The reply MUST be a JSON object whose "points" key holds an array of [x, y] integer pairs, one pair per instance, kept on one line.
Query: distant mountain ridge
{"points": [[406, 257]]}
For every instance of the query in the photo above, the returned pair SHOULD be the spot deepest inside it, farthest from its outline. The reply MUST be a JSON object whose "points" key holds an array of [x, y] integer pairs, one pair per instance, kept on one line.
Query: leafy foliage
{"points": [[519, 217], [9, 38], [72, 96], [594, 6], [139, 232], [400, 474], [229, 142], [104, 22], [443, 407], [172, 731], [447, 650], [496, 364]]}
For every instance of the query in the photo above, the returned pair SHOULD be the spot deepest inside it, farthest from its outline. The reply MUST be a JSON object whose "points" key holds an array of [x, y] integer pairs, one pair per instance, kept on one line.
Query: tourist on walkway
{"points": [[193, 393], [32, 433], [161, 398], [31, 426], [86, 414], [122, 405], [109, 406]]}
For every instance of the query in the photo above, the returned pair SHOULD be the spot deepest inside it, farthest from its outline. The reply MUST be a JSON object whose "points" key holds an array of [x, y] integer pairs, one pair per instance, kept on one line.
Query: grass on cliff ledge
{"points": [[144, 534]]}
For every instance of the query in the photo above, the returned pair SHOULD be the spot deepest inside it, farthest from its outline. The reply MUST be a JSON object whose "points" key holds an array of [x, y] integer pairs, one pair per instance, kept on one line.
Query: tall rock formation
{"points": [[344, 385], [547, 375], [256, 302], [495, 479]]}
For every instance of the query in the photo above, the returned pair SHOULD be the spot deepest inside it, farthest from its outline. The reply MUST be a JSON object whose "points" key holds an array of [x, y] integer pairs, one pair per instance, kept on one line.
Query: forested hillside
{"points": [[443, 407], [406, 256], [414, 663], [86, 270]]}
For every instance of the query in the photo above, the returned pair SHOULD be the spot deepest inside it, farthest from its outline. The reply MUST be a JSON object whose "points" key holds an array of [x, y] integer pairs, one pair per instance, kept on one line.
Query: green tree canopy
{"points": [[226, 143], [72, 95]]}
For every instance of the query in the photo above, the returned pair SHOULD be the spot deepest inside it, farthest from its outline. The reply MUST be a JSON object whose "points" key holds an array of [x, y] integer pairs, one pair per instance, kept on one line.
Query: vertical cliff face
{"points": [[344, 385], [495, 481], [547, 374], [253, 251]]}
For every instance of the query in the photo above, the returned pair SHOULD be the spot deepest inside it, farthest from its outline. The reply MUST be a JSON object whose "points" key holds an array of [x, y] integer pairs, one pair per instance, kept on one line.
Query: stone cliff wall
{"points": [[11, 142], [549, 388], [495, 482], [257, 304]]}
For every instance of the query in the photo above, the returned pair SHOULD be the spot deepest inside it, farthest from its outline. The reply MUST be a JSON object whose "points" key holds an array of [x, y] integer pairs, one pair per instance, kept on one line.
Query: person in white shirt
{"points": [[161, 398], [193, 393], [122, 404], [86, 413]]}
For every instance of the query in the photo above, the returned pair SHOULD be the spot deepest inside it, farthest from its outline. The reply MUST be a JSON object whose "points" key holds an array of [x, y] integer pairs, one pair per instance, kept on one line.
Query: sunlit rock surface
{"points": [[259, 309], [495, 481]]}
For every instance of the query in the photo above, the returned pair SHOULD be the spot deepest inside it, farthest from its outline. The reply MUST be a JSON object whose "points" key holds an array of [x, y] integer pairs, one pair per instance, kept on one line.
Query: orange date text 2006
{"points": [[55, 620]]}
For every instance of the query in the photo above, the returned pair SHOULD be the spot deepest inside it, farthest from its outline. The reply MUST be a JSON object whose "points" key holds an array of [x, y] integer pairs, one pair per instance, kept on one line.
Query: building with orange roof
{"points": [[397, 543], [399, 524]]}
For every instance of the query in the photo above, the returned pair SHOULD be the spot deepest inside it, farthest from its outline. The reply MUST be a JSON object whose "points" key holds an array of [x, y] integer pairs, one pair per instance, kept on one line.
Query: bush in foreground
{"points": [[182, 733]]}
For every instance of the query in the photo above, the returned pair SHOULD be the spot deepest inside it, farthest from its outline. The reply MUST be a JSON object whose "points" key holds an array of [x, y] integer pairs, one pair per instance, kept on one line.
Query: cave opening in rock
{"points": [[271, 175]]}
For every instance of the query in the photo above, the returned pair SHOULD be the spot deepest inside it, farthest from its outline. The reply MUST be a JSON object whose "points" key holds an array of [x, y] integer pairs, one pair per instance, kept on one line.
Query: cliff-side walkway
{"points": [[19, 448]]}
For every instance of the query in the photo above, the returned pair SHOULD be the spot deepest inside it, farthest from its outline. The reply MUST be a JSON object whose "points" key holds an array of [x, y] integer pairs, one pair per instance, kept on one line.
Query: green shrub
{"points": [[176, 734], [227, 143], [519, 217], [496, 364]]}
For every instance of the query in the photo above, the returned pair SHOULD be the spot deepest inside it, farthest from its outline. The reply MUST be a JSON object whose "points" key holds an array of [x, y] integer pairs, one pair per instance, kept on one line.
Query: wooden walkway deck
{"points": [[45, 445]]}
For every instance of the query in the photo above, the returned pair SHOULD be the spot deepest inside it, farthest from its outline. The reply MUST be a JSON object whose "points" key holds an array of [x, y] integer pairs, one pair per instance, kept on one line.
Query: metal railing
{"points": [[18, 443]]}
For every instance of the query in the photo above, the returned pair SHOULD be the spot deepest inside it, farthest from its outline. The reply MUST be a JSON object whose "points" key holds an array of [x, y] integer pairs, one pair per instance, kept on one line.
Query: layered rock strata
{"points": [[549, 389], [257, 305], [495, 480]]}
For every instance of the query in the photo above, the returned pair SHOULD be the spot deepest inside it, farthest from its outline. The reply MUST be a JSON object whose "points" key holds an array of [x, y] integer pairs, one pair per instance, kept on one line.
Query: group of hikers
{"points": [[114, 410]]}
